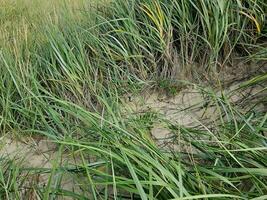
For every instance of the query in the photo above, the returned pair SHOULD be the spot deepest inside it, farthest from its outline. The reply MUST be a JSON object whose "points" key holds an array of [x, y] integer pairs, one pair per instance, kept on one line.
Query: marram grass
{"points": [[64, 66]]}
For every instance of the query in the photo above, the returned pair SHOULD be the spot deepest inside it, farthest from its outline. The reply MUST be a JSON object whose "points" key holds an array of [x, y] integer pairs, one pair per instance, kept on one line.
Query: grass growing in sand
{"points": [[65, 67]]}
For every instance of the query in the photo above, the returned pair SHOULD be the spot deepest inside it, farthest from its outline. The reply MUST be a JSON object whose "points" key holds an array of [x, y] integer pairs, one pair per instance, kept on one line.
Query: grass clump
{"points": [[116, 156], [65, 65], [171, 36]]}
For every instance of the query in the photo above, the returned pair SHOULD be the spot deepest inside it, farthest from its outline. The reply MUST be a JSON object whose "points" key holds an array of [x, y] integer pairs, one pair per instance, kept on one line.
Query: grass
{"points": [[65, 66]]}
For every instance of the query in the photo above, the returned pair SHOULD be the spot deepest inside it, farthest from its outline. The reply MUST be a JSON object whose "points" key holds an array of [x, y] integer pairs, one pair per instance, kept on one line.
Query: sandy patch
{"points": [[192, 107], [38, 154], [34, 153]]}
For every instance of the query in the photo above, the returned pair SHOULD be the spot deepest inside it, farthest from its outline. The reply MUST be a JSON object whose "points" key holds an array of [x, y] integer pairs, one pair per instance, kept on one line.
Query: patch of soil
{"points": [[38, 154], [191, 107]]}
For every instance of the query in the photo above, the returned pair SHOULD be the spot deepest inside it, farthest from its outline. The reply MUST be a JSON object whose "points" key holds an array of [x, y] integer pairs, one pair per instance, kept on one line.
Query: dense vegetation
{"points": [[65, 66]]}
